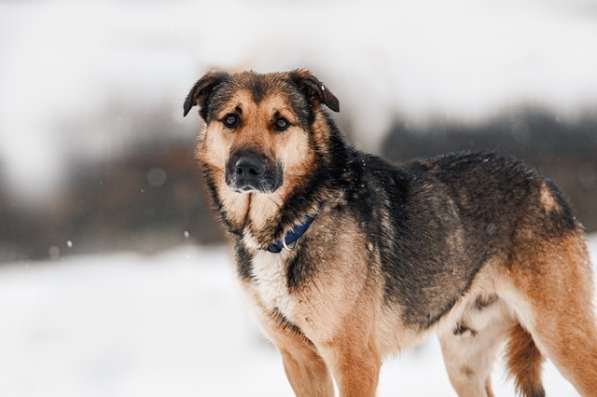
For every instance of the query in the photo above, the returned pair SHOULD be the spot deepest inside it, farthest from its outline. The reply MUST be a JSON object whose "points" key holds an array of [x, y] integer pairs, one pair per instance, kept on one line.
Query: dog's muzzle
{"points": [[250, 171]]}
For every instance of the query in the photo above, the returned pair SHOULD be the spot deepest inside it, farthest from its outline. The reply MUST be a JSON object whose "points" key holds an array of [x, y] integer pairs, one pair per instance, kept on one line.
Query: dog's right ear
{"points": [[200, 92]]}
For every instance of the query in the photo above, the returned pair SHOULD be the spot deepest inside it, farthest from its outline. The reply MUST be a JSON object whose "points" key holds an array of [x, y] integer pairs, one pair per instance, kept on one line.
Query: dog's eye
{"points": [[231, 120], [281, 124]]}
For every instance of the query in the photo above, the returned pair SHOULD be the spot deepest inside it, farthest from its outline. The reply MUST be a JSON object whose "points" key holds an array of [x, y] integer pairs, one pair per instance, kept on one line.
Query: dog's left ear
{"points": [[200, 92], [315, 91]]}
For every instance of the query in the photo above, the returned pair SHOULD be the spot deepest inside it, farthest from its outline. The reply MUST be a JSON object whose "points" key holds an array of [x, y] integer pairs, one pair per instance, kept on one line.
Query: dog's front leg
{"points": [[355, 366], [307, 373]]}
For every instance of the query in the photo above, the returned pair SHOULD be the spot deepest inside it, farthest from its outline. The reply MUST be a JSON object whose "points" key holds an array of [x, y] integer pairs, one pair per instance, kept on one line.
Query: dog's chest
{"points": [[270, 281]]}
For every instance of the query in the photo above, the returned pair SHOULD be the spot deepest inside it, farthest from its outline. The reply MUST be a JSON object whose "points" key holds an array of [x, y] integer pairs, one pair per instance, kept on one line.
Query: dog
{"points": [[349, 259]]}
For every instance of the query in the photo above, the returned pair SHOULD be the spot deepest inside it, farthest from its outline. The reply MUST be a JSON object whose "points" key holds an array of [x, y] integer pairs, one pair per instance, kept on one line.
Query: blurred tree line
{"points": [[151, 197]]}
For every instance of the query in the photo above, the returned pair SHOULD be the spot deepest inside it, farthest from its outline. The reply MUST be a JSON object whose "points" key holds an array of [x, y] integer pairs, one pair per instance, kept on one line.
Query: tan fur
{"points": [[354, 360], [341, 338], [488, 388], [547, 200], [317, 309]]}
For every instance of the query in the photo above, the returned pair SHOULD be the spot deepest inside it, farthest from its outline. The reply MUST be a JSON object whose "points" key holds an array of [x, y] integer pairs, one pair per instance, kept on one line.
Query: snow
{"points": [[173, 324]]}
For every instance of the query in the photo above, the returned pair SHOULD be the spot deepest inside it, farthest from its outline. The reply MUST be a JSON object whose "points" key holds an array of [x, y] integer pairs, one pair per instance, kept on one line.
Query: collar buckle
{"points": [[290, 239]]}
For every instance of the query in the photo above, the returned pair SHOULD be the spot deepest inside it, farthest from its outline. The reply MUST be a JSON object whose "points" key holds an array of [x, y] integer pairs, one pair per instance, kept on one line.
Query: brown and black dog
{"points": [[350, 259]]}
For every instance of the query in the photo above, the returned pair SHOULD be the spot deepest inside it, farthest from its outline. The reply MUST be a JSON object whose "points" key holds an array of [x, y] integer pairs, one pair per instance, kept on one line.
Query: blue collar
{"points": [[293, 235]]}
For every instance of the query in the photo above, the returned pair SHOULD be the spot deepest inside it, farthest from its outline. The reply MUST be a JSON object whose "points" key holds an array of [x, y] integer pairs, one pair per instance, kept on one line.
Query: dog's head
{"points": [[259, 134]]}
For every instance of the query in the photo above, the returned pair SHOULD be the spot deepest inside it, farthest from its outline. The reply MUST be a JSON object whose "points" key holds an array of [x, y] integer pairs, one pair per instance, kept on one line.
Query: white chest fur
{"points": [[269, 271]]}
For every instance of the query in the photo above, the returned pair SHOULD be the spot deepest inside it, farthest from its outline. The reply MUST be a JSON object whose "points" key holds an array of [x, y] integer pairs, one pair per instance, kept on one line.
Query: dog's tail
{"points": [[524, 362]]}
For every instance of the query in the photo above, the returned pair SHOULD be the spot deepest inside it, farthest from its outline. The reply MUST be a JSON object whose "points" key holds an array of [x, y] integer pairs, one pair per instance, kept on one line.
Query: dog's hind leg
{"points": [[470, 348], [550, 289], [468, 359]]}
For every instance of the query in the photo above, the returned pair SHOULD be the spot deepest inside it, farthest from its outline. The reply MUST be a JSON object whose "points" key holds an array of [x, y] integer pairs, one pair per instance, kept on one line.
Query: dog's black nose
{"points": [[249, 166], [249, 170]]}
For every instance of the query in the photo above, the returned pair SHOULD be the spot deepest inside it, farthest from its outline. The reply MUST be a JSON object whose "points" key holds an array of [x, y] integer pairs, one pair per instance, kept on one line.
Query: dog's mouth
{"points": [[246, 189], [243, 186], [249, 189], [252, 172]]}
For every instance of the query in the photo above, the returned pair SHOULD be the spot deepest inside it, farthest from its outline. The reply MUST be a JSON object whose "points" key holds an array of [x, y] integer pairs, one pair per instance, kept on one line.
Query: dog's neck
{"points": [[263, 218]]}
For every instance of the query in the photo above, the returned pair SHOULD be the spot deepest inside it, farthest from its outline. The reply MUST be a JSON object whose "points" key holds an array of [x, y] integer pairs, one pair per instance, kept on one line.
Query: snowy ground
{"points": [[171, 325]]}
